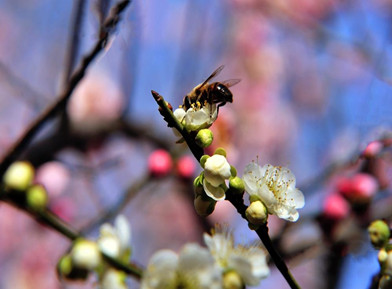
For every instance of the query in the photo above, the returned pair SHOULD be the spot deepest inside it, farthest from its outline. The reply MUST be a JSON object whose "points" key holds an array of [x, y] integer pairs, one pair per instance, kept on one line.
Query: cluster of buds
{"points": [[380, 234], [87, 256], [20, 188]]}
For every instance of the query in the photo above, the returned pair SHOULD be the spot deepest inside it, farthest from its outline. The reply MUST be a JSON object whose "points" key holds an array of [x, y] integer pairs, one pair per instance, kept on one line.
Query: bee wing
{"points": [[215, 73], [231, 82]]}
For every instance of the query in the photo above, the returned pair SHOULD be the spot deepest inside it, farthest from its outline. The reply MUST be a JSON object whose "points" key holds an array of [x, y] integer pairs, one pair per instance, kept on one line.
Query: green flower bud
{"points": [[233, 171], [66, 270], [379, 233], [19, 176], [254, 198], [204, 138], [220, 151], [256, 213], [204, 205], [232, 280], [37, 198], [236, 185], [203, 160]]}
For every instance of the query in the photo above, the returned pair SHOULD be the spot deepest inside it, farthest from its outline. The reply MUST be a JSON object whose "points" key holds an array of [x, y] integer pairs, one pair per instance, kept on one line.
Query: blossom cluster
{"points": [[220, 265], [87, 255]]}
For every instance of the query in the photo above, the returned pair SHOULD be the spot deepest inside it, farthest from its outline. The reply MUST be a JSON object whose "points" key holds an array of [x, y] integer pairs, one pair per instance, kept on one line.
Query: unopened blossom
{"points": [[216, 171], [275, 187], [193, 268], [19, 176], [250, 263], [115, 240], [85, 254], [197, 117], [113, 279]]}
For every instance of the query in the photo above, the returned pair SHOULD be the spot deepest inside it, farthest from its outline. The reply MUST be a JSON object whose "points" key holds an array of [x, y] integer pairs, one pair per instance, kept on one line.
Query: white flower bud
{"points": [[85, 254], [256, 213]]}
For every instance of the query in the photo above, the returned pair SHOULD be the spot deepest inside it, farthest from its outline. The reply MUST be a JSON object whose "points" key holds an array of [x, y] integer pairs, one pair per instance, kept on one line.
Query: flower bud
{"points": [[237, 185], [204, 138], [335, 207], [373, 149], [203, 160], [379, 233], [220, 151], [37, 198], [67, 271], [257, 213], [232, 280], [85, 254], [382, 256], [160, 163], [19, 176], [204, 205], [186, 167]]}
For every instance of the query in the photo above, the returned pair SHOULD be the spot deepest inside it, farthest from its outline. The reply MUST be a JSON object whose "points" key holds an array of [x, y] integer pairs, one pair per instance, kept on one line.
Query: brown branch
{"points": [[59, 105]]}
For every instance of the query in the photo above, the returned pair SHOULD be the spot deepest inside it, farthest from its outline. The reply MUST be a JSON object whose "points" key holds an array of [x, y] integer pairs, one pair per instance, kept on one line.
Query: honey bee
{"points": [[214, 93]]}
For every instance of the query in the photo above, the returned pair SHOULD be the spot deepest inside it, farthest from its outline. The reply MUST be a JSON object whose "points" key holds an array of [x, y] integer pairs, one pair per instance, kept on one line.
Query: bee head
{"points": [[223, 94]]}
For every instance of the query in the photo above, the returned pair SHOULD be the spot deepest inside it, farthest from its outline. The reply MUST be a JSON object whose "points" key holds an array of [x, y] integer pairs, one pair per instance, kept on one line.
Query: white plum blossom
{"points": [[115, 240], [216, 171], [193, 268], [250, 263], [275, 187], [197, 118], [85, 254]]}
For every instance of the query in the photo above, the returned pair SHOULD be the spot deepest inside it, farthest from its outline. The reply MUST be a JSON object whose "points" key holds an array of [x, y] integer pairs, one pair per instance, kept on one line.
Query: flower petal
{"points": [[215, 193]]}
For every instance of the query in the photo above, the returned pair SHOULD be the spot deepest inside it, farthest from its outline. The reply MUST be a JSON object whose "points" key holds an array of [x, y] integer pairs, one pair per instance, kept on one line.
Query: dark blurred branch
{"points": [[108, 28], [51, 220], [73, 45]]}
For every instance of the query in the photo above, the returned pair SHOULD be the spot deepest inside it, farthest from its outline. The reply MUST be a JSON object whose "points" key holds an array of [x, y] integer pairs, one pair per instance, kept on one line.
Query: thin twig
{"points": [[73, 48], [59, 105]]}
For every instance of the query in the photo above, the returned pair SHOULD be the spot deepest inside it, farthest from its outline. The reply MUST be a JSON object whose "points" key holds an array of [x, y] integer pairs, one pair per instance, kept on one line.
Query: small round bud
{"points": [[19, 176], [85, 254], [203, 160], [335, 207], [67, 271], [220, 151], [233, 171], [198, 182], [232, 280], [204, 138], [382, 256], [379, 233], [237, 185], [186, 167], [37, 198], [257, 213], [160, 163], [373, 149], [204, 205], [254, 198]]}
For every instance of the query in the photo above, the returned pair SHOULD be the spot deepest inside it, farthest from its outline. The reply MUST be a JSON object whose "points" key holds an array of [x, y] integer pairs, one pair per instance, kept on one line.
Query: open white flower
{"points": [[275, 187], [115, 240], [216, 171], [248, 262], [197, 118], [193, 268]]}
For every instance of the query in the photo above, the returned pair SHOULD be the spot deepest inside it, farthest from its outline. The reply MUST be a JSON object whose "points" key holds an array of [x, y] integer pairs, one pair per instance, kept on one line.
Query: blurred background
{"points": [[315, 90]]}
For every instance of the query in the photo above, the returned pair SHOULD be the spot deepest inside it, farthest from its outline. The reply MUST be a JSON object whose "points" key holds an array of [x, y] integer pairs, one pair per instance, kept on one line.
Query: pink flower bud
{"points": [[160, 163], [335, 207], [372, 149], [360, 187], [186, 167]]}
